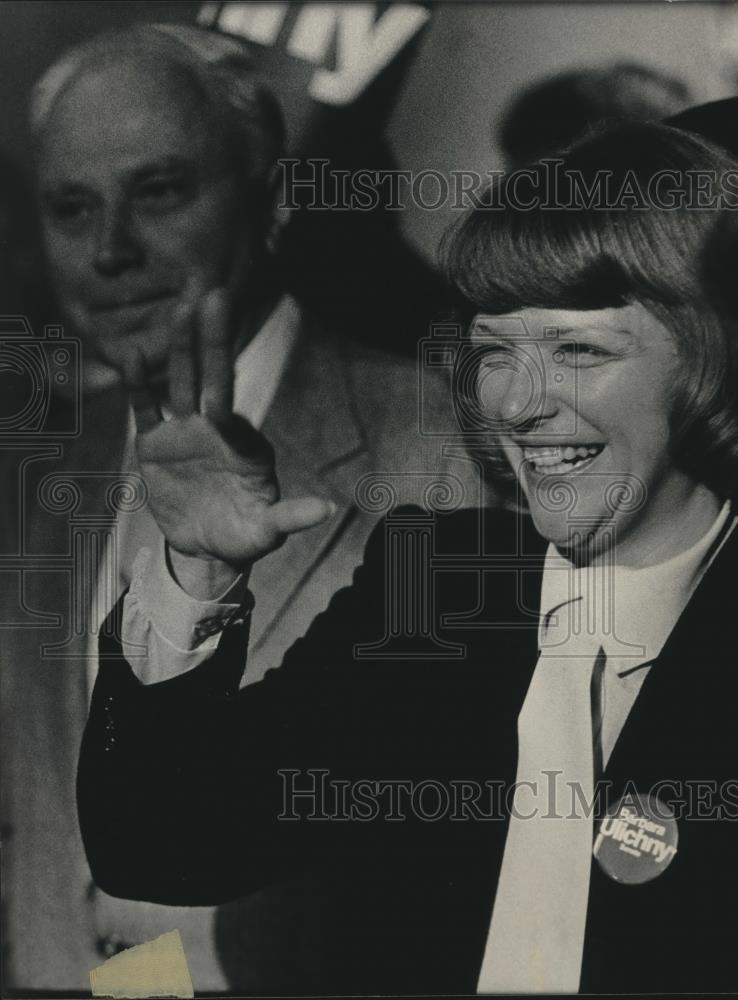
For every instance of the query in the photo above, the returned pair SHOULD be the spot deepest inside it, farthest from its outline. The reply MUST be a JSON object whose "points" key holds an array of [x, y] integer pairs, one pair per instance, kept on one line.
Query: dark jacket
{"points": [[343, 414], [180, 794]]}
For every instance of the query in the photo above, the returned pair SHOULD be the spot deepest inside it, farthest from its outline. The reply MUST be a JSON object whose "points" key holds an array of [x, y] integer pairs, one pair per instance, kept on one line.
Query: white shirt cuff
{"points": [[166, 632]]}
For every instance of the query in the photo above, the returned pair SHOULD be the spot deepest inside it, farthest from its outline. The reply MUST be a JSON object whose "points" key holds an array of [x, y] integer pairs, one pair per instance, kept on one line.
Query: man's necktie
{"points": [[536, 935]]}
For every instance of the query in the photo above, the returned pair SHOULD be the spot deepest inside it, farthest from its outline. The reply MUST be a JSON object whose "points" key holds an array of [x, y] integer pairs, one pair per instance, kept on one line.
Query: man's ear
{"points": [[279, 214]]}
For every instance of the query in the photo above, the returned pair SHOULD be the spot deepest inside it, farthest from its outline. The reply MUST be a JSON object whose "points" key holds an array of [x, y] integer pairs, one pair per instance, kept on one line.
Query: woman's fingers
{"points": [[215, 362], [199, 365], [183, 367], [288, 516], [143, 400]]}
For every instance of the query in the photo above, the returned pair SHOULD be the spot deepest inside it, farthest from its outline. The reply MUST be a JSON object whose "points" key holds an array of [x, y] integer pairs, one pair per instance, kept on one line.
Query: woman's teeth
{"points": [[559, 460]]}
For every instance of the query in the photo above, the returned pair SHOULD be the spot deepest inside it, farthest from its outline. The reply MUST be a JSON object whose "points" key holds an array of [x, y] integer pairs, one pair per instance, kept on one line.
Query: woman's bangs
{"points": [[550, 259]]}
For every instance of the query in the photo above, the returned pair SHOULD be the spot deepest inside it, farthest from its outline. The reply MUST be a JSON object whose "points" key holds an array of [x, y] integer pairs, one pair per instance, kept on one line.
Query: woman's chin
{"points": [[569, 535], [554, 527]]}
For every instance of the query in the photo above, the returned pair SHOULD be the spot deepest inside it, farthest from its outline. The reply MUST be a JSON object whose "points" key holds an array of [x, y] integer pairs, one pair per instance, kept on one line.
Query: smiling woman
{"points": [[580, 661], [598, 419], [618, 366]]}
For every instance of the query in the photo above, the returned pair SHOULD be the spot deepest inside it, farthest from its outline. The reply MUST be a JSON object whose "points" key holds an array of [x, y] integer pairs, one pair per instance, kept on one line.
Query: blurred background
{"points": [[419, 87]]}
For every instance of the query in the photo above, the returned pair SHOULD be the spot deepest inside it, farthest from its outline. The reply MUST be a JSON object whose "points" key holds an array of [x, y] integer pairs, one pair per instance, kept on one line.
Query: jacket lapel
{"points": [[320, 449], [674, 716], [680, 735]]}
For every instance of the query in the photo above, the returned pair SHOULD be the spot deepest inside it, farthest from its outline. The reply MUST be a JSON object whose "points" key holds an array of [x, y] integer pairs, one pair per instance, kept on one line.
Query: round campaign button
{"points": [[637, 839]]}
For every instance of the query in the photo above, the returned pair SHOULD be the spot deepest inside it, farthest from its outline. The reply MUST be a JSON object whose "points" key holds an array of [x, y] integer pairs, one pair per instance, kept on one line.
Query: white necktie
{"points": [[536, 934]]}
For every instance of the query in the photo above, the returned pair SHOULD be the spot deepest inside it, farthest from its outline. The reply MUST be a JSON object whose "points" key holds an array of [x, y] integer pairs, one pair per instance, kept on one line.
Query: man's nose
{"points": [[116, 246]]}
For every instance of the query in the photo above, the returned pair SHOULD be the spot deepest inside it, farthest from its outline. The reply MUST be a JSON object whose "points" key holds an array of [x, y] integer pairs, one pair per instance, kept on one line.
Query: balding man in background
{"points": [[156, 153]]}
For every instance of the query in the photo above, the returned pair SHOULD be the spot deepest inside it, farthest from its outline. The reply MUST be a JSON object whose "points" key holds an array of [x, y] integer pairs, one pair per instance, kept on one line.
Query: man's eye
{"points": [[68, 212], [163, 193]]}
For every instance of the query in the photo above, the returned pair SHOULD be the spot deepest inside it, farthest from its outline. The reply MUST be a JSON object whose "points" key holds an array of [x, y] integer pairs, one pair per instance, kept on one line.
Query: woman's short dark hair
{"points": [[621, 217]]}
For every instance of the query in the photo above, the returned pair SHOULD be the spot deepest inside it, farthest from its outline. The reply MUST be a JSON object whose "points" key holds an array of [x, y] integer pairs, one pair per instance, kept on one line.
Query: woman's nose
{"points": [[515, 389], [116, 246]]}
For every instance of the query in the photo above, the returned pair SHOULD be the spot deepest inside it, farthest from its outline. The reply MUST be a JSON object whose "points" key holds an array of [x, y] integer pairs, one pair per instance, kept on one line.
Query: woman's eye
{"points": [[580, 354]]}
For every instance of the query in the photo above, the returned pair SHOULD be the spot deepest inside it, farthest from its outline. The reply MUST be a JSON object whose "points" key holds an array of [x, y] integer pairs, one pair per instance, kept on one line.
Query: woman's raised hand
{"points": [[211, 478]]}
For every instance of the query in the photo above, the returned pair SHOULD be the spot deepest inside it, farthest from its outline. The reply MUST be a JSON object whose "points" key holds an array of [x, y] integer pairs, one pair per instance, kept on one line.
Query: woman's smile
{"points": [[585, 397], [562, 460]]}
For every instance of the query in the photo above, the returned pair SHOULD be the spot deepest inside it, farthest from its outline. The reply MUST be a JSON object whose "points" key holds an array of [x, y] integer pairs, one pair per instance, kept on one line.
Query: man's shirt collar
{"points": [[260, 365]]}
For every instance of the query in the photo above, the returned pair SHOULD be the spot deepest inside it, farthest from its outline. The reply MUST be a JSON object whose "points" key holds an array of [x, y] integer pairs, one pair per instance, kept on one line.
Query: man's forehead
{"points": [[130, 101]]}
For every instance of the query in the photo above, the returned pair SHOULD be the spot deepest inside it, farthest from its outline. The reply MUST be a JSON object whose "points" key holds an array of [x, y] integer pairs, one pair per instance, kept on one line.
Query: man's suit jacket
{"points": [[403, 905], [341, 412]]}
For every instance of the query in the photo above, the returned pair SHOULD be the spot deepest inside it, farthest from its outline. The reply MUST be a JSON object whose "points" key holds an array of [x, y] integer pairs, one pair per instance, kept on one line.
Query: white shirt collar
{"points": [[260, 365], [631, 611], [257, 371]]}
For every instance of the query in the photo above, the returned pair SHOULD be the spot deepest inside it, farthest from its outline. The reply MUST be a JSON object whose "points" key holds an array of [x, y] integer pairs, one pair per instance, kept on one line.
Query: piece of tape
{"points": [[157, 968]]}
